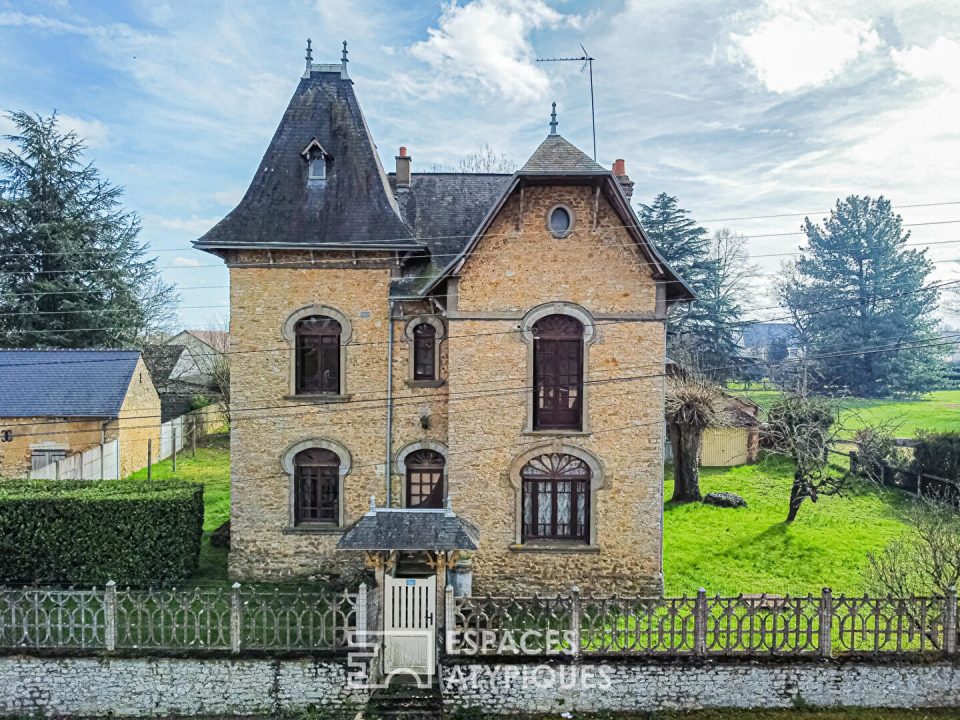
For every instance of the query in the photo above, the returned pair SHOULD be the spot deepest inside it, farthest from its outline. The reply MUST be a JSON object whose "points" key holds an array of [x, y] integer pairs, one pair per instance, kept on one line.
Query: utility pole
{"points": [[587, 61]]}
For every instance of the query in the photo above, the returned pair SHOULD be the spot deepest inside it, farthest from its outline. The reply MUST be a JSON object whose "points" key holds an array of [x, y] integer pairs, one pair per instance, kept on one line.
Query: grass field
{"points": [[937, 411], [211, 467], [752, 550]]}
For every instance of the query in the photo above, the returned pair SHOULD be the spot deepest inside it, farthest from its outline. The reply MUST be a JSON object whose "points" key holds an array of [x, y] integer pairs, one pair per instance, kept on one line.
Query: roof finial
{"points": [[553, 119], [343, 57], [309, 56]]}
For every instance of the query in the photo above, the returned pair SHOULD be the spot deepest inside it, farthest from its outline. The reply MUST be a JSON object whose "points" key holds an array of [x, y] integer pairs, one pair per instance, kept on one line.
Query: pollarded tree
{"points": [[857, 265], [72, 270], [691, 406]]}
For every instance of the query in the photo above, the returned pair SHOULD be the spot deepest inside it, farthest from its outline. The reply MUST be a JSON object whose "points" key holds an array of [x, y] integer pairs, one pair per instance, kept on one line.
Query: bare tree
{"points": [[216, 364], [484, 160], [805, 428], [692, 405], [926, 560]]}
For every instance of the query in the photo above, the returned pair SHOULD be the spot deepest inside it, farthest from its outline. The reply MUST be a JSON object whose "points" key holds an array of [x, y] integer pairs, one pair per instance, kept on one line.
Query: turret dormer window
{"points": [[317, 159]]}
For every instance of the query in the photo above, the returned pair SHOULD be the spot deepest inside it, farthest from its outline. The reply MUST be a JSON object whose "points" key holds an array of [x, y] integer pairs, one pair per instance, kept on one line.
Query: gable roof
{"points": [[559, 161], [161, 360], [558, 155], [353, 208], [65, 383]]}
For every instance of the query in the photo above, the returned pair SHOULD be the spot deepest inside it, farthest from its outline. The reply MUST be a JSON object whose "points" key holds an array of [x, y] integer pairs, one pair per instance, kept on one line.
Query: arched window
{"points": [[316, 486], [556, 498], [318, 355], [557, 373], [424, 352], [424, 479]]}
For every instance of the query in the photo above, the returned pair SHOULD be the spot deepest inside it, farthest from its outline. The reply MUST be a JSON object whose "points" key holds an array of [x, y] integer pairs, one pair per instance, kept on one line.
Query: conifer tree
{"points": [[72, 270], [857, 264]]}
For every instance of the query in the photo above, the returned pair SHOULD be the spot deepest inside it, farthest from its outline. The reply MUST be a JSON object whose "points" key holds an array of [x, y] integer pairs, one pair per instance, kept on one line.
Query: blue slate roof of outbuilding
{"points": [[64, 383]]}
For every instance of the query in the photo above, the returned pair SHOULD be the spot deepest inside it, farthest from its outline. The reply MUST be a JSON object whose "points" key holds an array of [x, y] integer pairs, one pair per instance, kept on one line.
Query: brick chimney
{"points": [[403, 168], [620, 171]]}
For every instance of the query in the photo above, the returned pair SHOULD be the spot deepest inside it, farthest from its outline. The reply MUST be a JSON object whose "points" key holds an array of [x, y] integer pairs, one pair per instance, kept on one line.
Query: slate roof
{"points": [[557, 155], [443, 210], [161, 360], [395, 529], [353, 207], [64, 383]]}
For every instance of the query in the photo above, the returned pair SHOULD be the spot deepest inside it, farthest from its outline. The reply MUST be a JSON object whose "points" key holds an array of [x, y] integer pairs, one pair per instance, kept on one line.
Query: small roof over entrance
{"points": [[437, 530]]}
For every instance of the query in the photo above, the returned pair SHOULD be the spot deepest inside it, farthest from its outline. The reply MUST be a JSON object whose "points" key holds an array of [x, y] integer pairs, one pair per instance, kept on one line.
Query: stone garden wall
{"points": [[159, 686], [690, 685]]}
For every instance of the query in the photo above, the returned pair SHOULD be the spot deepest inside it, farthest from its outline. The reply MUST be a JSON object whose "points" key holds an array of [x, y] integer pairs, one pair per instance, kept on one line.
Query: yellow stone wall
{"points": [[76, 435], [139, 421], [480, 413]]}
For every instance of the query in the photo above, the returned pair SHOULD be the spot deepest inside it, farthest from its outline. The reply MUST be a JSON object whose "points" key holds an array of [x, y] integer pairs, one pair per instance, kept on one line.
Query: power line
{"points": [[386, 253], [737, 324], [353, 406]]}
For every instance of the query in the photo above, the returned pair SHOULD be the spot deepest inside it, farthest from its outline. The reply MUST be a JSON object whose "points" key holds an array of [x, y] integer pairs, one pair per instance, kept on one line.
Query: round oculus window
{"points": [[559, 221]]}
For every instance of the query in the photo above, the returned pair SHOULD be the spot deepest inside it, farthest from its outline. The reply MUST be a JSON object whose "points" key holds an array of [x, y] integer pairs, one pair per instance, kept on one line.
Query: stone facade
{"points": [[72, 435], [479, 415], [139, 422]]}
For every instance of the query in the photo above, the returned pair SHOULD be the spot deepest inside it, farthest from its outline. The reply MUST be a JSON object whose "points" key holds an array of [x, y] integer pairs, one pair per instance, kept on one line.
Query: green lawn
{"points": [[936, 411], [211, 467], [752, 550]]}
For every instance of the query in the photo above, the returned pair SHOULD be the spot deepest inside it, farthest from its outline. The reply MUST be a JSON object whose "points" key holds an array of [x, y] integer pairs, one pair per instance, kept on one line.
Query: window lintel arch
{"points": [[400, 466], [290, 324], [432, 320], [559, 307], [287, 460], [515, 470]]}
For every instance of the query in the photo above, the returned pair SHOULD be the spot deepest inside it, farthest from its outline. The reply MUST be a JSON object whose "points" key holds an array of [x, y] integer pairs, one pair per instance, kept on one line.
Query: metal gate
{"points": [[409, 624]]}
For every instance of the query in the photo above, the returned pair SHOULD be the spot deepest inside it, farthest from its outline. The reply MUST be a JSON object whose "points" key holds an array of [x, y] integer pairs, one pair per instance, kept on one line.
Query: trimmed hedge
{"points": [[91, 531], [939, 454]]}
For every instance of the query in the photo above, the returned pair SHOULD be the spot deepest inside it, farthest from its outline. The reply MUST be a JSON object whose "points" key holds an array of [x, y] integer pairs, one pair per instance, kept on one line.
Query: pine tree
{"points": [[857, 264], [72, 271], [701, 335]]}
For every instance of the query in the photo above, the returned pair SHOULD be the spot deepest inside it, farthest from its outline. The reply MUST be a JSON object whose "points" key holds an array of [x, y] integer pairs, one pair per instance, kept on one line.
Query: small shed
{"points": [[736, 443]]}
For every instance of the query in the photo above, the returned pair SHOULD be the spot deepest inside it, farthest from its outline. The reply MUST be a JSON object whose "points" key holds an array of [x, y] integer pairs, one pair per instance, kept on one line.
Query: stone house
{"points": [[56, 403], [183, 368], [494, 340]]}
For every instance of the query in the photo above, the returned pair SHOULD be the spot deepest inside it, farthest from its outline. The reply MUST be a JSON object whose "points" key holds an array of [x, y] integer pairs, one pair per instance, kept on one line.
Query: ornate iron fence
{"points": [[703, 625], [235, 618]]}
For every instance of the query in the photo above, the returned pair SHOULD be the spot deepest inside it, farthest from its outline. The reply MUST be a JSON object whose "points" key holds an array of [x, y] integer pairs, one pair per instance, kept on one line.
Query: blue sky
{"points": [[766, 107]]}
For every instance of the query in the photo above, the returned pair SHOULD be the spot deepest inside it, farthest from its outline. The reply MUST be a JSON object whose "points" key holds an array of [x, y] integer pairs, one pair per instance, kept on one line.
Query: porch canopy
{"points": [[387, 529]]}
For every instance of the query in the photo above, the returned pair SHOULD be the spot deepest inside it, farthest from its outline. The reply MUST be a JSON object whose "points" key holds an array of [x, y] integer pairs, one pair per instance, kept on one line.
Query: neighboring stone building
{"points": [[524, 315], [185, 367], [55, 403]]}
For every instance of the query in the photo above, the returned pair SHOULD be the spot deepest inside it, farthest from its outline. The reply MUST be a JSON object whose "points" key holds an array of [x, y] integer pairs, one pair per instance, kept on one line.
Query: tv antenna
{"points": [[587, 61]]}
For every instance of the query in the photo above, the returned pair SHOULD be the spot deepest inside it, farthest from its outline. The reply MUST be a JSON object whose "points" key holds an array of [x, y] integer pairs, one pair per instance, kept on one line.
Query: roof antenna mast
{"points": [[587, 61]]}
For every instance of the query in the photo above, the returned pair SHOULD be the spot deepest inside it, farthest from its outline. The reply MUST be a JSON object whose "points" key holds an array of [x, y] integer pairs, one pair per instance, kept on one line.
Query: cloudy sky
{"points": [[741, 109]]}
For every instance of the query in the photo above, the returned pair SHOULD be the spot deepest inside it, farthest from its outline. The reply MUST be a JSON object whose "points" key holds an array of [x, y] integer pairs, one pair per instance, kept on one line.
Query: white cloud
{"points": [[185, 262], [939, 63], [487, 43], [193, 226], [93, 132], [792, 46]]}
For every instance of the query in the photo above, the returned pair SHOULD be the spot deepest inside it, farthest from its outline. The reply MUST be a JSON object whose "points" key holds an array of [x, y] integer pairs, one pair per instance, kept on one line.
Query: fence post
{"points": [[449, 618], [110, 616], [236, 619], [193, 438], [700, 623], [826, 623], [361, 611], [575, 622], [173, 430], [149, 459], [950, 622]]}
